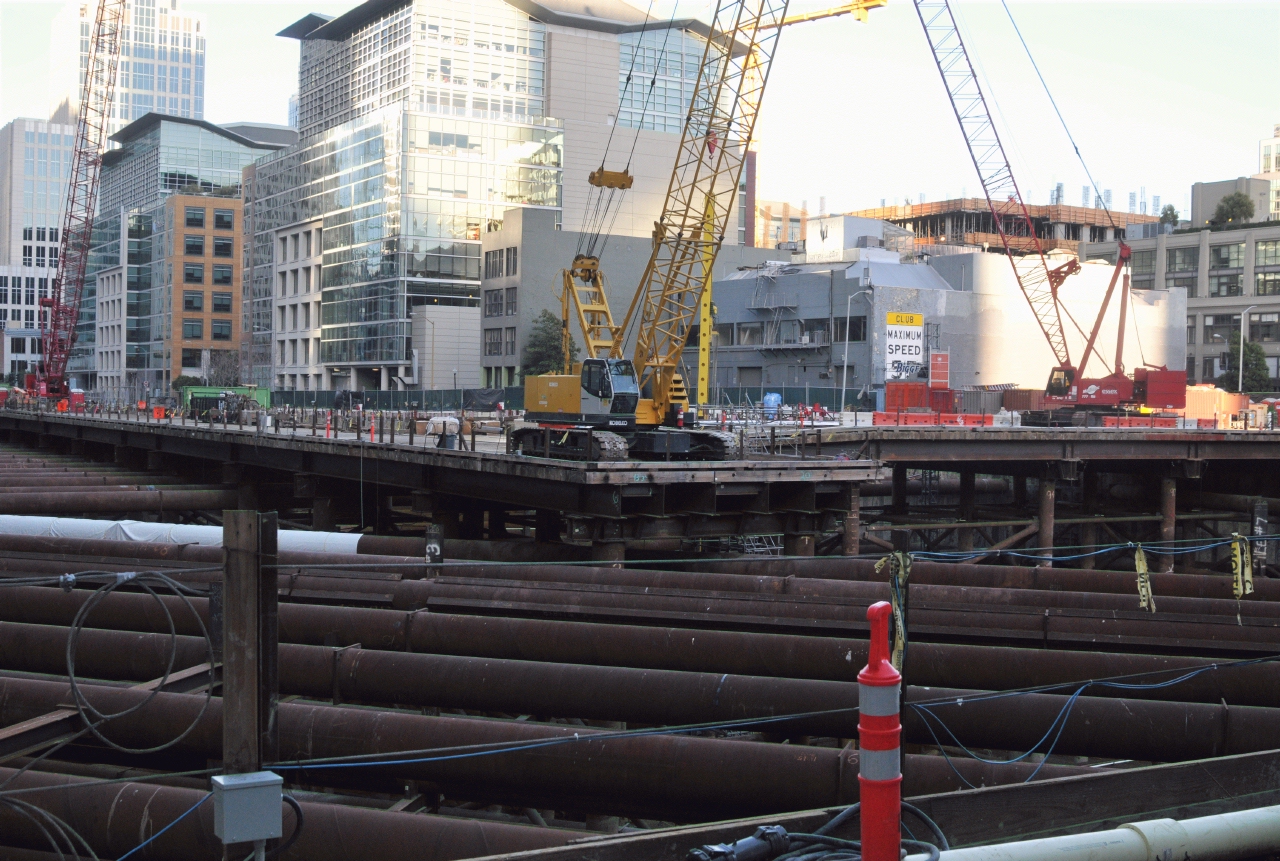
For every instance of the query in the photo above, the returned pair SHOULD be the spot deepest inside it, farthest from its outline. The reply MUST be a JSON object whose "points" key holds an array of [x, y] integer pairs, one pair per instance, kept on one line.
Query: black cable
{"points": [[297, 828]]}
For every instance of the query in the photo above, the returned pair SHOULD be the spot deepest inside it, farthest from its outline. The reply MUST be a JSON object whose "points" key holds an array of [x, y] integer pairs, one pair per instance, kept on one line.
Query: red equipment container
{"points": [[903, 395]]}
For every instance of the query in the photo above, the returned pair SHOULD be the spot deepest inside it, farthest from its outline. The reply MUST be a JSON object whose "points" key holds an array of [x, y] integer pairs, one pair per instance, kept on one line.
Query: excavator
{"points": [[610, 407]]}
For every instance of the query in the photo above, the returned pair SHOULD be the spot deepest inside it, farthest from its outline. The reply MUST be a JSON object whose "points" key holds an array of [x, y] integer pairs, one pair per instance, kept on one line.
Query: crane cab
{"points": [[602, 394]]}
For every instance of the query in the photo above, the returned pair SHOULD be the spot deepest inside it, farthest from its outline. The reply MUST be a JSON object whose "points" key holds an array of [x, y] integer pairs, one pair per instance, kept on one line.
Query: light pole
{"points": [[844, 373], [1244, 320]]}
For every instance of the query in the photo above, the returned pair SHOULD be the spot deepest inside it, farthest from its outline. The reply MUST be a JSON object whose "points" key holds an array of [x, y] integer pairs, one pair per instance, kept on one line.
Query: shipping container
{"points": [[981, 402], [1022, 400], [902, 395], [943, 400]]}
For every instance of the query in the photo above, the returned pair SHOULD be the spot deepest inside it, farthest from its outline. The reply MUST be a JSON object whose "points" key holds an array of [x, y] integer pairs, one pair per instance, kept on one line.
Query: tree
{"points": [[1256, 376], [1169, 215], [185, 382], [224, 368], [543, 350], [1235, 207]]}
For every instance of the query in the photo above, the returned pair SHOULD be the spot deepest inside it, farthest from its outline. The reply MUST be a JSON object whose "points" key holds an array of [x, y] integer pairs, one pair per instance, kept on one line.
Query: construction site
{"points": [[630, 623]]}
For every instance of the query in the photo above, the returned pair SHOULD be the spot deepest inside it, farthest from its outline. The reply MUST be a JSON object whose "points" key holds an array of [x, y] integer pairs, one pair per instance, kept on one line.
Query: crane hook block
{"points": [[602, 178]]}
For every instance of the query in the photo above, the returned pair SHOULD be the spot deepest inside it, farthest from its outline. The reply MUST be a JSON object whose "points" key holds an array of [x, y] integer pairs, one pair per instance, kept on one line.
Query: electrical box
{"points": [[246, 807]]}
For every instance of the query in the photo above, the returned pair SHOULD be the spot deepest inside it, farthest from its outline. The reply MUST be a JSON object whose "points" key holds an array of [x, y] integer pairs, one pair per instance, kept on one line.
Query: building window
{"points": [[1267, 253], [1226, 256], [224, 219], [857, 330], [222, 303], [511, 301], [193, 273], [17, 345], [511, 261], [1187, 283], [1267, 283], [31, 291], [193, 300], [493, 342], [223, 246], [220, 330], [191, 358], [1211, 368], [1264, 326], [221, 275], [749, 334], [1191, 330], [27, 256], [53, 257], [40, 258], [193, 330], [195, 216], [1224, 285], [1218, 329], [511, 342], [493, 303], [193, 246], [1143, 262], [494, 262], [1182, 259]]}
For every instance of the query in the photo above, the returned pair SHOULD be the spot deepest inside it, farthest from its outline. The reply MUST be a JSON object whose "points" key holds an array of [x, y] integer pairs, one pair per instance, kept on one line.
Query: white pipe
{"points": [[288, 540], [1224, 837]]}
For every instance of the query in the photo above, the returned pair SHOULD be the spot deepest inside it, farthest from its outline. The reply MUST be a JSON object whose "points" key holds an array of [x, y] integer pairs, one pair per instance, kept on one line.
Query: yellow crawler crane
{"points": [[609, 407]]}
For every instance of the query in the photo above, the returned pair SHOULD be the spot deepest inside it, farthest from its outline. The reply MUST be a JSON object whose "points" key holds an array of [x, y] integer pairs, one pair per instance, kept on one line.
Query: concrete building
{"points": [[524, 257], [20, 290], [1269, 171], [1222, 272], [432, 120], [1205, 197], [297, 308], [968, 221], [779, 222], [162, 62], [802, 323], [169, 223], [35, 161], [445, 351]]}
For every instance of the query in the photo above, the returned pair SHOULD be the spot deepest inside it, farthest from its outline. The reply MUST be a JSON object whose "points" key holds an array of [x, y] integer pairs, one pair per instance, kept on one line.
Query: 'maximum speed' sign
{"points": [[903, 345]]}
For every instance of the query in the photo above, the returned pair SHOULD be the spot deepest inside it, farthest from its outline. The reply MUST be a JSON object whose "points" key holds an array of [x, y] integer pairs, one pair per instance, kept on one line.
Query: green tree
{"points": [[543, 350], [1235, 207], [1256, 376], [184, 381], [1169, 215]]}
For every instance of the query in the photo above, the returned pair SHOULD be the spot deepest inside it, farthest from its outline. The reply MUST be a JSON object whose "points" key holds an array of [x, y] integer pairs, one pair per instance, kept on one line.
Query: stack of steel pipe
{"points": [[53, 484]]}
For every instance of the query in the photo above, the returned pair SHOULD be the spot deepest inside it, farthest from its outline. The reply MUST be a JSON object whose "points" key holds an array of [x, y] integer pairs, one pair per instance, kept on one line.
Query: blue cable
{"points": [[144, 843]]}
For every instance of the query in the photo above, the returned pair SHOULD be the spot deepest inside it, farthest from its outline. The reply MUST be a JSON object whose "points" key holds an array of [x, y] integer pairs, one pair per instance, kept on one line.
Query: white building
{"points": [[296, 312], [20, 291], [161, 66], [35, 161], [110, 325], [1269, 169]]}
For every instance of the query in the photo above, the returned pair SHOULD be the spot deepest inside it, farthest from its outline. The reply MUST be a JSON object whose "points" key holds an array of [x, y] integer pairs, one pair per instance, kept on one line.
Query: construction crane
{"points": [[62, 307], [1039, 282], [615, 408]]}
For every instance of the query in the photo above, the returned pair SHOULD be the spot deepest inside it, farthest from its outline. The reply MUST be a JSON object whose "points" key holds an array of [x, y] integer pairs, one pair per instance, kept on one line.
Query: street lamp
{"points": [[844, 373], [1244, 320]]}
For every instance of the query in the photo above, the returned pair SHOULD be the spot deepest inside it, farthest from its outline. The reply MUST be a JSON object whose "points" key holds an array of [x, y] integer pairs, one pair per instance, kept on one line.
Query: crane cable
{"points": [[1061, 118]]}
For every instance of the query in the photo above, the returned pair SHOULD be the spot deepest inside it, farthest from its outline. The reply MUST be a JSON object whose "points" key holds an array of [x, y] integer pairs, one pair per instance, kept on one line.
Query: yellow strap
{"points": [[1145, 599], [1241, 566]]}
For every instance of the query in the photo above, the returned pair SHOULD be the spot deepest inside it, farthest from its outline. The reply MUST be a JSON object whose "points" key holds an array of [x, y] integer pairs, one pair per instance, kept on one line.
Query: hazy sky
{"points": [[1157, 94]]}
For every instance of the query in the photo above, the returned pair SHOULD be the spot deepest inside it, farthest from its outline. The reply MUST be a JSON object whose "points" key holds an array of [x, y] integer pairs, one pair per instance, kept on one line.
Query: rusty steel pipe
{"points": [[653, 647], [1098, 727], [54, 502], [106, 478], [115, 818], [42, 487], [671, 776]]}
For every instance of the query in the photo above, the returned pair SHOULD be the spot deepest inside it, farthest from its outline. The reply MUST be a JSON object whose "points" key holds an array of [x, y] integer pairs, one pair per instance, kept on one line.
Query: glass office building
{"points": [[158, 156], [421, 124]]}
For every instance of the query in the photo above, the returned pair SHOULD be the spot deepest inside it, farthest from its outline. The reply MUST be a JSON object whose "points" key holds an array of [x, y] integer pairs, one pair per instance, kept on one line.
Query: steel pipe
{"points": [[668, 776], [54, 502], [1097, 727], [114, 818], [741, 653]]}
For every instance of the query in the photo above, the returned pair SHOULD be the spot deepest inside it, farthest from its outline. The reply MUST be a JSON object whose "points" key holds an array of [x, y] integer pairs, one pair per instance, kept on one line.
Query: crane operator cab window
{"points": [[1060, 382], [595, 379]]}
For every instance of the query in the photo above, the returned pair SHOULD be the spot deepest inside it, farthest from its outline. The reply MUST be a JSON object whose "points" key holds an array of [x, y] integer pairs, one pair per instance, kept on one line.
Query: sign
{"points": [[903, 346], [940, 370]]}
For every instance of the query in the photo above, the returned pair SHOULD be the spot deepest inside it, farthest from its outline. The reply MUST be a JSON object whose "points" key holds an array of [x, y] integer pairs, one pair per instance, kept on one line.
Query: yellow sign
{"points": [[894, 318]]}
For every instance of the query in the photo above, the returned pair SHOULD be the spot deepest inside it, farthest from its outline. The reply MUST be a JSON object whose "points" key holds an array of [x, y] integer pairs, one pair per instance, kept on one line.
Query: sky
{"points": [[1156, 94]]}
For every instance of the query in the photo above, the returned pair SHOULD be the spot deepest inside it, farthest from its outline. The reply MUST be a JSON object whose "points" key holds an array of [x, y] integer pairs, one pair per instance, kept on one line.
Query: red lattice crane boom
{"points": [[62, 307]]}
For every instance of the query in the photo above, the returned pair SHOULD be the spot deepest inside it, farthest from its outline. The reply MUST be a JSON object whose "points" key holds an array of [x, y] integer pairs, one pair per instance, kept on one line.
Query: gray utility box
{"points": [[246, 807]]}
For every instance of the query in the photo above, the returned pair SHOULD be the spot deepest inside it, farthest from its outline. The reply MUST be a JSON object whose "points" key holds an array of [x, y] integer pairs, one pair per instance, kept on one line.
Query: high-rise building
{"points": [[422, 123], [167, 255], [161, 67], [35, 160], [1269, 169]]}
